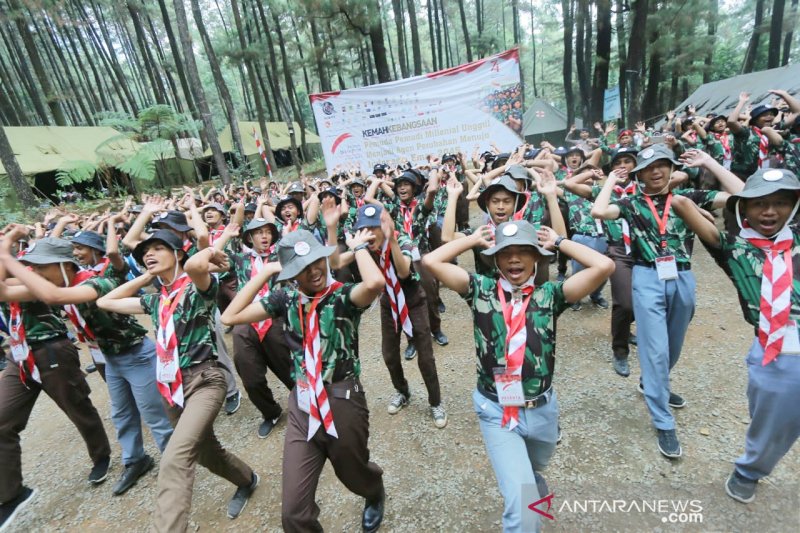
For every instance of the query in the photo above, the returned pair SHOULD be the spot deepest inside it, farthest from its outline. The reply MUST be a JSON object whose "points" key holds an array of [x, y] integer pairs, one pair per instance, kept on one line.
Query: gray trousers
{"points": [[222, 356]]}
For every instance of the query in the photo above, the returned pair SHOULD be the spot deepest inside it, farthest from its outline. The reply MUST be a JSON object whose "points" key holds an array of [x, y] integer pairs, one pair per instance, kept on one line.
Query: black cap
{"points": [[174, 219], [332, 191], [286, 200], [90, 239], [500, 160], [760, 110], [163, 235], [369, 216]]}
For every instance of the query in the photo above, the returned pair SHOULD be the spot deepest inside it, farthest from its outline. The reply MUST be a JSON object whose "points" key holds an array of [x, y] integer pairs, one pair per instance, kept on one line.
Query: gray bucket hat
{"points": [[504, 183], [518, 172], [90, 239], [650, 155], [48, 251], [298, 250], [368, 216], [260, 223], [216, 206], [296, 187], [764, 182], [517, 233]]}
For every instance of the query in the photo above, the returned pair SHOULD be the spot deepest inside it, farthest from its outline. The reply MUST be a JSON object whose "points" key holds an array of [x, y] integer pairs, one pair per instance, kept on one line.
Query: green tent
{"points": [[542, 120]]}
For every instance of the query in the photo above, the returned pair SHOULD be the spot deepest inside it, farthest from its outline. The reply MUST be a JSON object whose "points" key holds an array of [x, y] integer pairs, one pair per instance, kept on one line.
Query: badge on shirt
{"points": [[303, 394], [667, 267], [791, 342], [166, 371], [509, 387], [415, 255]]}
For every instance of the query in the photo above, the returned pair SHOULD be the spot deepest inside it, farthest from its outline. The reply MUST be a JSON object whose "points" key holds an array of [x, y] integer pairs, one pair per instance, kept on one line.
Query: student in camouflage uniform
{"points": [[752, 149], [327, 413], [767, 204], [189, 378], [128, 355], [519, 430], [663, 283]]}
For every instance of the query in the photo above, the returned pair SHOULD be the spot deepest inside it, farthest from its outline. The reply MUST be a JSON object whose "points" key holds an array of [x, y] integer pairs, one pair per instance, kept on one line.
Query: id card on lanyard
{"points": [[666, 265], [791, 342], [303, 394], [509, 387]]}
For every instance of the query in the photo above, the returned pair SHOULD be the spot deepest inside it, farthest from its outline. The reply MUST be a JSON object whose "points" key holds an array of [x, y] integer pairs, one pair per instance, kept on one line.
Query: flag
{"points": [[262, 152]]}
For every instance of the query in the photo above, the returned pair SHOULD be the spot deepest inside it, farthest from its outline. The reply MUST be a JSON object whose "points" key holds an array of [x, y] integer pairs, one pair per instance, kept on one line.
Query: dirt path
{"points": [[441, 480]]}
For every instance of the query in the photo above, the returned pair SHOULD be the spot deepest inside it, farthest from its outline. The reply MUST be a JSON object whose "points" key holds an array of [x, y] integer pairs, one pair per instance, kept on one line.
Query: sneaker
{"points": [[577, 306], [668, 443], [740, 488], [91, 367], [132, 474], [439, 416], [240, 498], [676, 401], [541, 485], [632, 340], [399, 400], [442, 307], [440, 338], [233, 402], [10, 509], [411, 352], [266, 427], [561, 277], [99, 471], [600, 302], [621, 367], [558, 438]]}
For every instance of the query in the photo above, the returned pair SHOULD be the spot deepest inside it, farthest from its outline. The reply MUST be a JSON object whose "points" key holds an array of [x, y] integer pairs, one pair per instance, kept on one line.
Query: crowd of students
{"points": [[290, 270]]}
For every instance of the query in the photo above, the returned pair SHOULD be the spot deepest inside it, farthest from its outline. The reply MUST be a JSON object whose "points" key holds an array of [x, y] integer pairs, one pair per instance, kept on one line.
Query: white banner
{"points": [[455, 110]]}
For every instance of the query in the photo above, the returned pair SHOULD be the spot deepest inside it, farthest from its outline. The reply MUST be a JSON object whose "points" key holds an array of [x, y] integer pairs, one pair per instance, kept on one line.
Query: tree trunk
{"points": [[174, 47], [602, 59], [708, 62], [302, 55], [272, 73], [533, 53], [515, 20], [336, 62], [465, 30], [289, 82], [99, 90], [378, 48], [415, 46], [619, 23], [199, 92], [584, 85], [18, 182], [251, 74], [634, 65], [160, 65], [431, 30], [389, 41], [775, 34], [567, 7], [755, 37], [319, 52], [650, 105], [397, 7], [22, 73], [147, 57], [787, 40]]}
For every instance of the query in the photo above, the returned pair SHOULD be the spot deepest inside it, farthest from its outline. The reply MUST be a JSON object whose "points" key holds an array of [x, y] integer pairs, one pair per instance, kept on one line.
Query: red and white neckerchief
{"points": [[81, 328], [256, 266], [187, 245], [763, 148], [360, 202], [623, 192], [320, 410], [21, 352], [215, 234], [725, 141], [519, 213], [407, 211], [776, 289], [516, 336], [101, 267], [168, 372], [288, 228], [397, 298]]}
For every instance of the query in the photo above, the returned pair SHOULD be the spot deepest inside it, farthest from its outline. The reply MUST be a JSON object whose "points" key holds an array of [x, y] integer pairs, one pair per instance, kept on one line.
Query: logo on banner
{"points": [[339, 140], [327, 108]]}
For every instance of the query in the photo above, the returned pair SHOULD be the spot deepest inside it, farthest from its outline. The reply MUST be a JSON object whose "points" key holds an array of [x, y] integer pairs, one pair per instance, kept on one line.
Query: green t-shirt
{"points": [[41, 321]]}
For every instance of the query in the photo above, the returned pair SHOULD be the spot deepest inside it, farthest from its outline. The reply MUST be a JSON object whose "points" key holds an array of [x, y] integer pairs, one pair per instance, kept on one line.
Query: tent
{"points": [[542, 120], [721, 97]]}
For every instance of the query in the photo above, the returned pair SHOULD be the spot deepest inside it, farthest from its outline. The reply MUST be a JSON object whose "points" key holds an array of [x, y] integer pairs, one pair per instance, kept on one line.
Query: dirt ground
{"points": [[606, 475]]}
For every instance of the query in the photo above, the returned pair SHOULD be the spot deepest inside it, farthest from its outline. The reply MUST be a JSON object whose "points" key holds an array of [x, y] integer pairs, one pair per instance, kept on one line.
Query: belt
{"points": [[530, 403], [344, 388], [199, 367], [593, 235], [682, 267]]}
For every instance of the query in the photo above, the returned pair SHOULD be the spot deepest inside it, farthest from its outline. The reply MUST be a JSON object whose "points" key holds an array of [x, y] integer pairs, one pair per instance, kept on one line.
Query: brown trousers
{"points": [[621, 301], [192, 442], [253, 357], [62, 380], [430, 285], [390, 344], [349, 455]]}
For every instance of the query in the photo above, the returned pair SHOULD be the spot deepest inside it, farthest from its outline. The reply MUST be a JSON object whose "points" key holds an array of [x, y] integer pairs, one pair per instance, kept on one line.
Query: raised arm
{"points": [[597, 269], [449, 232], [733, 118], [243, 310], [602, 207], [690, 213], [372, 281], [112, 243], [547, 187], [135, 234], [438, 262], [200, 265], [122, 299]]}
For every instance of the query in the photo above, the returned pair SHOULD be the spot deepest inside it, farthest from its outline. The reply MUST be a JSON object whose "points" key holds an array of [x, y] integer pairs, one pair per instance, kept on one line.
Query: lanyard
{"points": [[662, 220], [519, 320]]}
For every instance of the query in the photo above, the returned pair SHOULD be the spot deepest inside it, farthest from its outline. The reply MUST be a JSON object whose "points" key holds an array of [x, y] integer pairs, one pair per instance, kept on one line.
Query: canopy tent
{"points": [[278, 137], [541, 119], [721, 97]]}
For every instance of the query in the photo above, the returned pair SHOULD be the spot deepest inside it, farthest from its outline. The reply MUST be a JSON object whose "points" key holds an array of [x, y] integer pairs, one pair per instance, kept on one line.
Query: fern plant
{"points": [[78, 171]]}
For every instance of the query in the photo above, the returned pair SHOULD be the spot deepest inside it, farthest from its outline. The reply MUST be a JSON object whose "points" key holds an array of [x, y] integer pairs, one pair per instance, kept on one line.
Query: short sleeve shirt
{"points": [[115, 333], [580, 216], [613, 227], [194, 322], [338, 324], [745, 152], [546, 304], [645, 237], [41, 321]]}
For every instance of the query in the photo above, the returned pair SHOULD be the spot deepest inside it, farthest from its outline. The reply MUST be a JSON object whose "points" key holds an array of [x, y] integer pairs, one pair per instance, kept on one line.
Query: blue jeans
{"points": [[773, 394], [131, 380], [515, 455], [663, 310], [598, 244]]}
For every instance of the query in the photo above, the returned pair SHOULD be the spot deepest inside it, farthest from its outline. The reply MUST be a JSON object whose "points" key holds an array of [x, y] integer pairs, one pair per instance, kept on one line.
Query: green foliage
{"points": [[139, 166], [75, 172]]}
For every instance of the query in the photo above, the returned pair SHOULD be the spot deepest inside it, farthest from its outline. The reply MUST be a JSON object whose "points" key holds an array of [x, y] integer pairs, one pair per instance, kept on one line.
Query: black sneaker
{"points": [[91, 367], [440, 338], [541, 485], [373, 514], [622, 367], [668, 443], [99, 471], [560, 434], [577, 306], [240, 498], [442, 307], [740, 488], [233, 402], [10, 509], [675, 400], [411, 352], [132, 474], [600, 302], [266, 427], [561, 277], [632, 340]]}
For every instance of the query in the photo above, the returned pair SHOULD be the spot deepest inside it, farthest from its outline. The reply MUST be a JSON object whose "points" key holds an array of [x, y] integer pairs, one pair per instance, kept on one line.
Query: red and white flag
{"points": [[262, 152]]}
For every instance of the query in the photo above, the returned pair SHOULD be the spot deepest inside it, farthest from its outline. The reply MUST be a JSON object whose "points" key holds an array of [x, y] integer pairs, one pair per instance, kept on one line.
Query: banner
{"points": [[455, 110], [612, 109]]}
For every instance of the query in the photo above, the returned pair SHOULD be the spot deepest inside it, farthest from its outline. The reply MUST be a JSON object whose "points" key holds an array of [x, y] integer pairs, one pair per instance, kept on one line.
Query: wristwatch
{"points": [[362, 246], [557, 242]]}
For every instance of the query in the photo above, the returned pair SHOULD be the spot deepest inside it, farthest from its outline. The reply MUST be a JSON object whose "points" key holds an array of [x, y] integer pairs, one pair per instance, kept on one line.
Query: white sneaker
{"points": [[439, 416], [399, 400]]}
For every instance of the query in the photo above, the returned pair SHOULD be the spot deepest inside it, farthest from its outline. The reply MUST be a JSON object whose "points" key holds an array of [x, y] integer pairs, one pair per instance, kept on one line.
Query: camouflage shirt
{"points": [[535, 209], [115, 333], [580, 216], [194, 322], [242, 267], [645, 237], [41, 321], [546, 304], [613, 227], [338, 324], [790, 150], [745, 152], [744, 264]]}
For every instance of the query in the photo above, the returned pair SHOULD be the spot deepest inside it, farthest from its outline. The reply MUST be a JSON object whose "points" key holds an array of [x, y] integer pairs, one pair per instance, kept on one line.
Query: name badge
{"points": [[303, 395], [509, 388], [791, 342], [415, 254], [667, 267], [97, 355], [167, 371]]}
